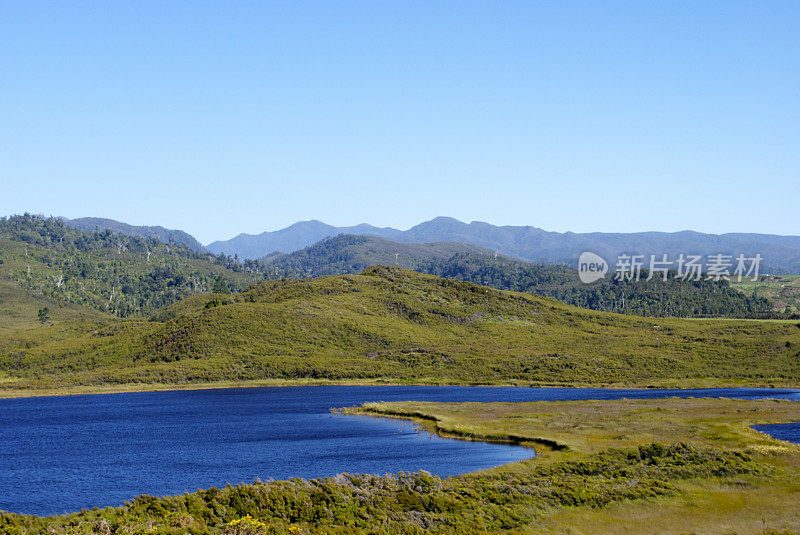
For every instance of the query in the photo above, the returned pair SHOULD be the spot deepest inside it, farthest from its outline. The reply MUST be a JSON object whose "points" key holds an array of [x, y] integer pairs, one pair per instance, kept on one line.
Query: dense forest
{"points": [[345, 254], [348, 254], [655, 297], [119, 274], [132, 275]]}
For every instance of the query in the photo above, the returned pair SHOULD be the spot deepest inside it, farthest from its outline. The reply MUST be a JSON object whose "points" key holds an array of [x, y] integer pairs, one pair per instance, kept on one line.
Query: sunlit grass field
{"points": [[562, 431], [396, 326]]}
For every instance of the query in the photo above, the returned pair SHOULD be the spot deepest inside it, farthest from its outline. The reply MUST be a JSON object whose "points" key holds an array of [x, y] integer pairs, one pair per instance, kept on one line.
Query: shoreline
{"points": [[573, 441], [706, 383], [431, 424]]}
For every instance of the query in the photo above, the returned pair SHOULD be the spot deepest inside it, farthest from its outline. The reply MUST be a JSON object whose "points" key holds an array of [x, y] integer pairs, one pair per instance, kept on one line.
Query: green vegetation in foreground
{"points": [[644, 466], [782, 290], [396, 325]]}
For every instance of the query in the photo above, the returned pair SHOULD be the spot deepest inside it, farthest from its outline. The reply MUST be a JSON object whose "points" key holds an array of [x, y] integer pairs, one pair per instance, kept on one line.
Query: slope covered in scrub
{"points": [[395, 325]]}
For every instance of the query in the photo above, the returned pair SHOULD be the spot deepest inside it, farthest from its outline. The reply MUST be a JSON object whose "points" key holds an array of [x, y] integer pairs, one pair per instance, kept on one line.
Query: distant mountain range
{"points": [[295, 237], [164, 235], [135, 276], [781, 254]]}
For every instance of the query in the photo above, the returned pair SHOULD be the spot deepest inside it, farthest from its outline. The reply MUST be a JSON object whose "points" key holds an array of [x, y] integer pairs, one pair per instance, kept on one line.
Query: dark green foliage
{"points": [[655, 297], [44, 315], [346, 254], [409, 502], [122, 275], [99, 224], [396, 325], [221, 286]]}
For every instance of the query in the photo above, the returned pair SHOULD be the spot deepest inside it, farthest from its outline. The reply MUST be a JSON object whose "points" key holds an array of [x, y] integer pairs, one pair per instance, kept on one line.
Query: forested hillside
{"points": [[164, 235], [396, 325], [655, 297], [131, 275], [118, 274], [345, 254]]}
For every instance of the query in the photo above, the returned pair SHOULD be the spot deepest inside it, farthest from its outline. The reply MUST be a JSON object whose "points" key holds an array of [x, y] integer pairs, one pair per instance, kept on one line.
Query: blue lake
{"points": [[788, 432], [61, 454]]}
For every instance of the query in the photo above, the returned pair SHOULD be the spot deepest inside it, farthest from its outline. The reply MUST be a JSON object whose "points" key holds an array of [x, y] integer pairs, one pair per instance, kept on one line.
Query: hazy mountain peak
{"points": [[780, 253], [160, 233]]}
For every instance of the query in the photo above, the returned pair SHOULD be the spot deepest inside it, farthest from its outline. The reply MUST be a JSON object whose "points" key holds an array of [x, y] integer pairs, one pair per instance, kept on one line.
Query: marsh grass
{"points": [[676, 466]]}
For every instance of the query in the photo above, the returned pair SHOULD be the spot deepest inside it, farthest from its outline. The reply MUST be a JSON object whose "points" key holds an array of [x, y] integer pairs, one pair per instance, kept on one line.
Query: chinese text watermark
{"points": [[715, 267]]}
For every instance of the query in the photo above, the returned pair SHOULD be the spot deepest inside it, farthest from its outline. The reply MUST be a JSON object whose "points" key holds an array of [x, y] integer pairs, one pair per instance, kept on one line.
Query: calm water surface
{"points": [[61, 454], [790, 432]]}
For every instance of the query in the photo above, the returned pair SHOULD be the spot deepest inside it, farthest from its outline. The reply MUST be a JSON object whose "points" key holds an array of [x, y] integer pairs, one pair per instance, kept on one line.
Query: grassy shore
{"points": [[160, 387], [625, 466], [563, 431], [7, 390]]}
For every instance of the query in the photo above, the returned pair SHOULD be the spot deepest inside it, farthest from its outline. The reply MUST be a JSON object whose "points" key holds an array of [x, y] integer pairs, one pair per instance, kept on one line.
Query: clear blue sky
{"points": [[227, 117]]}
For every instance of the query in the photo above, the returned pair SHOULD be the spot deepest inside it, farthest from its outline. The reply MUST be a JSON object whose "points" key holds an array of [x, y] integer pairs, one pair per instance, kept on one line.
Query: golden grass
{"points": [[744, 504]]}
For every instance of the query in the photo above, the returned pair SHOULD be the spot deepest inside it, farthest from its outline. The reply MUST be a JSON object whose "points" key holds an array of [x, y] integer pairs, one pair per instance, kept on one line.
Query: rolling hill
{"points": [[348, 254], [396, 325], [782, 290]]}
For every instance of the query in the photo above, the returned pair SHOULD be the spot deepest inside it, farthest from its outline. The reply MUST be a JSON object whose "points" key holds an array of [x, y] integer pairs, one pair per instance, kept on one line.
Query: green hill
{"points": [[348, 254], [782, 290], [117, 274], [164, 235], [654, 298], [395, 325]]}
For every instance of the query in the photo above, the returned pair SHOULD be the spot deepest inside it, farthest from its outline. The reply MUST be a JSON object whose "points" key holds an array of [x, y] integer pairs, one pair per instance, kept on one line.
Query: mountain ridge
{"points": [[162, 234], [781, 253]]}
